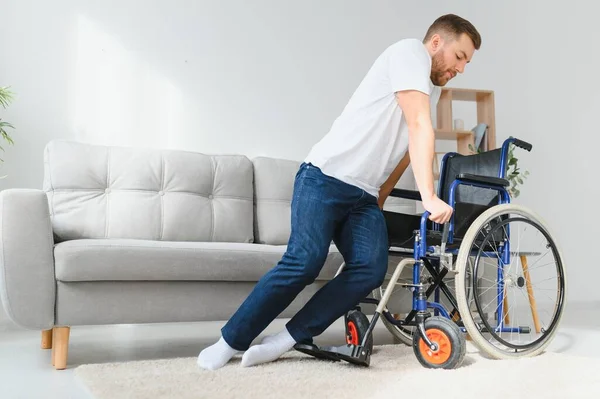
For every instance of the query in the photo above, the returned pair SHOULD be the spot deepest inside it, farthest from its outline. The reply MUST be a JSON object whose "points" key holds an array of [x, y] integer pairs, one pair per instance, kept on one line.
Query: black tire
{"points": [[493, 347], [450, 340], [357, 325]]}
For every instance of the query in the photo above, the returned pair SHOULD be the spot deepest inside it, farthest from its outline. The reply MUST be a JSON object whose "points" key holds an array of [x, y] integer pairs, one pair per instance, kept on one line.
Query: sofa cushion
{"points": [[273, 189], [143, 260], [117, 192]]}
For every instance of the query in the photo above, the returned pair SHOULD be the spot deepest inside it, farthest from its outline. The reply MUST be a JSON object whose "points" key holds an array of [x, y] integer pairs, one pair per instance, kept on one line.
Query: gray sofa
{"points": [[136, 235]]}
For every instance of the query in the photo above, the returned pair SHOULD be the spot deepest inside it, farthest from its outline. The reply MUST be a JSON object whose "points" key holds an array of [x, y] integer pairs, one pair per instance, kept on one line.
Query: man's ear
{"points": [[436, 42]]}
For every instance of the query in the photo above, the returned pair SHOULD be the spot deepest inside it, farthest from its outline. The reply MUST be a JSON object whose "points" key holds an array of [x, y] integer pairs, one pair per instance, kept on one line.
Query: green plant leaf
{"points": [[6, 96], [7, 137], [4, 133]]}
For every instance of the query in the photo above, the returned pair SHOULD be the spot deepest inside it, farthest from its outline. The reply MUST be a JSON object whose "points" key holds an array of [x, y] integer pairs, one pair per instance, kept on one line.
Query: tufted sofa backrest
{"points": [[273, 189], [99, 191]]}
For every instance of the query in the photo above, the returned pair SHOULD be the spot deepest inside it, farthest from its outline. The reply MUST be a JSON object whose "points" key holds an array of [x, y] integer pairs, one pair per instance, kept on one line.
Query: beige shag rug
{"points": [[394, 373]]}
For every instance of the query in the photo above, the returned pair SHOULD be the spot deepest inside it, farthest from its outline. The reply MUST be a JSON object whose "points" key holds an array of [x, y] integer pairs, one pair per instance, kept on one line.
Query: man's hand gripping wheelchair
{"points": [[495, 262]]}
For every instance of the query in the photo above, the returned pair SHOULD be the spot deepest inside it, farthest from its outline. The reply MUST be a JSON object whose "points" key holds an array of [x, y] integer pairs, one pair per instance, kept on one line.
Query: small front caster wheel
{"points": [[450, 344], [357, 325]]}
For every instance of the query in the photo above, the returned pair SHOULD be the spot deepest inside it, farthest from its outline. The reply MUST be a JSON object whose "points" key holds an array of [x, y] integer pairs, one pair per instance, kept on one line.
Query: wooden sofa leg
{"points": [[47, 339], [53, 346], [60, 347]]}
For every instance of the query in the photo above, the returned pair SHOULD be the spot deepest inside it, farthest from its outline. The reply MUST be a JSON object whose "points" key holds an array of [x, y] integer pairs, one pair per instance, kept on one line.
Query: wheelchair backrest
{"points": [[470, 201]]}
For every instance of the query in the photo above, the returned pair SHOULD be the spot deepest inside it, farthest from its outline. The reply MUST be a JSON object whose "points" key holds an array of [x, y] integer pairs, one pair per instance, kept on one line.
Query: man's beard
{"points": [[438, 70]]}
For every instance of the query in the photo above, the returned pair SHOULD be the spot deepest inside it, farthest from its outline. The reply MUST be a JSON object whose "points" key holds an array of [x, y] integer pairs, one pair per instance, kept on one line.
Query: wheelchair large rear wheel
{"points": [[402, 333], [510, 282]]}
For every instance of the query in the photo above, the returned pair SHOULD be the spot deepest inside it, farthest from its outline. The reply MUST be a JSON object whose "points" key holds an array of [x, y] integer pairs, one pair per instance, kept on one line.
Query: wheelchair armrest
{"points": [[408, 194], [492, 181]]}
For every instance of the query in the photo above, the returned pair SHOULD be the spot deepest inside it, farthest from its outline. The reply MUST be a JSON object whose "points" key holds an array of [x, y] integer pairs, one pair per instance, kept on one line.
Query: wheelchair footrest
{"points": [[314, 350], [350, 353], [355, 354]]}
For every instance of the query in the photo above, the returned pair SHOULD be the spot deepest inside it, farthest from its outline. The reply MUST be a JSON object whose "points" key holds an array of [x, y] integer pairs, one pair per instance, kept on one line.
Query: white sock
{"points": [[268, 338], [216, 355], [275, 346]]}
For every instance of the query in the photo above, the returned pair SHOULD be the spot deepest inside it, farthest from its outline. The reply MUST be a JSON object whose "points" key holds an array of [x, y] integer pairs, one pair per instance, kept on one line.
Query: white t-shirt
{"points": [[368, 140]]}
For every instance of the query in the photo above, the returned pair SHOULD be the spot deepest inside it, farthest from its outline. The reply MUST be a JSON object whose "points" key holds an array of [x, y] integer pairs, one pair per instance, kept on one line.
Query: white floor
{"points": [[26, 372]]}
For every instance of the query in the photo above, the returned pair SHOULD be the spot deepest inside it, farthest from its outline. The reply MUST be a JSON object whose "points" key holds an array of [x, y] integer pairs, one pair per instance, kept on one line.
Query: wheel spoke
{"points": [[509, 230]]}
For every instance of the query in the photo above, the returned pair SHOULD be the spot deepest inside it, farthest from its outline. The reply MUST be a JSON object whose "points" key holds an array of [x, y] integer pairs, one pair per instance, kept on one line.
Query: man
{"points": [[339, 191]]}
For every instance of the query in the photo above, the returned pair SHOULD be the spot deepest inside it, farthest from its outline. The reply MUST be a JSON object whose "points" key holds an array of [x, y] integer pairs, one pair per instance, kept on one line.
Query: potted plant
{"points": [[514, 175], [6, 97]]}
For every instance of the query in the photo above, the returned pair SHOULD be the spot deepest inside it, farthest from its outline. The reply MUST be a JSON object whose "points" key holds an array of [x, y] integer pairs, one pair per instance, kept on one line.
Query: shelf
{"points": [[484, 103], [468, 94], [447, 134]]}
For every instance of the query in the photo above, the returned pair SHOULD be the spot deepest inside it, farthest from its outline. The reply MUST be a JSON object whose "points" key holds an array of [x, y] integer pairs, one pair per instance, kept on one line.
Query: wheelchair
{"points": [[472, 278]]}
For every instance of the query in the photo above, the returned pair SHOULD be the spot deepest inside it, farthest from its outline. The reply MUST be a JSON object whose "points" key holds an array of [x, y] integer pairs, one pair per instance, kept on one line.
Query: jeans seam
{"points": [[362, 195], [352, 231]]}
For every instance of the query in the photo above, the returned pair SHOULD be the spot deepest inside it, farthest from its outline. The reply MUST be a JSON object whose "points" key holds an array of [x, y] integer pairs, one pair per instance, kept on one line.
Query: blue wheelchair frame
{"points": [[424, 254], [421, 249]]}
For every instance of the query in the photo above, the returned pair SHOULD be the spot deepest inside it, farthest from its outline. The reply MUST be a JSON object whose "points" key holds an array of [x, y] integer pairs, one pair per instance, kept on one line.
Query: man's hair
{"points": [[453, 25]]}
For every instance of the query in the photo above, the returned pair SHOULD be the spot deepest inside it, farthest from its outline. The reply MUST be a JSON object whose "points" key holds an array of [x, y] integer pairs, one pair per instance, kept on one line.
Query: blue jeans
{"points": [[323, 209]]}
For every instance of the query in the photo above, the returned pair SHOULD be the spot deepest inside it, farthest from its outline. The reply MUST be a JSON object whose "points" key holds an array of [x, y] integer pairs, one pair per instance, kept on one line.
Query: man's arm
{"points": [[421, 143], [421, 138], [392, 180]]}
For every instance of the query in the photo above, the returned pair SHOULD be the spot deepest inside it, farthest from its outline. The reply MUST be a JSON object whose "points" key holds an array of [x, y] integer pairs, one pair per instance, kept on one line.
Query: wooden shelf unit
{"points": [[484, 100]]}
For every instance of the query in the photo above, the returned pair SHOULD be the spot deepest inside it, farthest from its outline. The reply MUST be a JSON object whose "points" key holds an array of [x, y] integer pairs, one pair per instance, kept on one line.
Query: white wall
{"points": [[269, 77]]}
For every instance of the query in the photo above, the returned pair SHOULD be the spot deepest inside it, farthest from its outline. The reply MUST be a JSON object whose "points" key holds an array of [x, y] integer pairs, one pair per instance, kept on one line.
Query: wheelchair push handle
{"points": [[521, 144]]}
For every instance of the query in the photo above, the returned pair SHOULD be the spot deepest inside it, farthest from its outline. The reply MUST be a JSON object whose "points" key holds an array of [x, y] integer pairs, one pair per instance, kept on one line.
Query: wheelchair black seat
{"points": [[402, 228]]}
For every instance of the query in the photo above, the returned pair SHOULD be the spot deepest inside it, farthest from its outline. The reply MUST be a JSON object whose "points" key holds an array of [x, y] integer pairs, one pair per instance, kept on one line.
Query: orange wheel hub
{"points": [[352, 337], [443, 343]]}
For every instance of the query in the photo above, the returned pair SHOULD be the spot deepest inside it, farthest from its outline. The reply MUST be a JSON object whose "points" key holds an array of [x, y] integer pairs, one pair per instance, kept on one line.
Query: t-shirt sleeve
{"points": [[409, 67]]}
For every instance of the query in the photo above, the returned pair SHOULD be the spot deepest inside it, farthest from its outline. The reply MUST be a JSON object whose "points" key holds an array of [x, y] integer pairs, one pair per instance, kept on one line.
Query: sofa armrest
{"points": [[27, 283]]}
